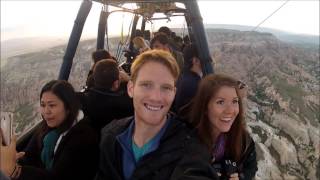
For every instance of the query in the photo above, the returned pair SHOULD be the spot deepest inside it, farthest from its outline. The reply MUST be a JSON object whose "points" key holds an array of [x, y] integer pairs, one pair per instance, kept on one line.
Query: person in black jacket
{"points": [[217, 112], [189, 79], [107, 99], [152, 144], [63, 148]]}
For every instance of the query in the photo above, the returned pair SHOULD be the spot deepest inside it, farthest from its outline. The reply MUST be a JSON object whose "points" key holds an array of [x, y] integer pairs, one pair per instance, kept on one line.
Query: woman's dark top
{"points": [[76, 156]]}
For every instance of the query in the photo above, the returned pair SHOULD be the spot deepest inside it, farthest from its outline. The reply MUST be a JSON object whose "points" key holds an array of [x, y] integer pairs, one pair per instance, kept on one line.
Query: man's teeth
{"points": [[153, 108]]}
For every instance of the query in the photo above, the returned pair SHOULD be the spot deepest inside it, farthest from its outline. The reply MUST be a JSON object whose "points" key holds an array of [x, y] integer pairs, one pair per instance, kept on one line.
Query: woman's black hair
{"points": [[65, 92]]}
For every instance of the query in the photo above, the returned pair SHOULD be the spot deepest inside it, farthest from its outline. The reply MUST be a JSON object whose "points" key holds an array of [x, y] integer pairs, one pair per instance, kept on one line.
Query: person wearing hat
{"points": [[189, 79]]}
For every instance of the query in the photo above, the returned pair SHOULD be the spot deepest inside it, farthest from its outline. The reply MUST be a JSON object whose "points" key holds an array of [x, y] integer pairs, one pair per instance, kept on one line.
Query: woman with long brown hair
{"points": [[217, 113]]}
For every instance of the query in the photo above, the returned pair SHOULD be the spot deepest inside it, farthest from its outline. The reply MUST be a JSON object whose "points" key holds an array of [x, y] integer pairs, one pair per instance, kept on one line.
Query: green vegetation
{"points": [[287, 91], [262, 134], [295, 94], [262, 99], [276, 106], [312, 112], [262, 116], [260, 93]]}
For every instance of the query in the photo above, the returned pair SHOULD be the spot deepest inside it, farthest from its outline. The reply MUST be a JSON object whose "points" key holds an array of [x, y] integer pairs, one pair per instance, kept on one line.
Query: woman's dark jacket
{"points": [[248, 162], [179, 155], [247, 166], [76, 157], [187, 85]]}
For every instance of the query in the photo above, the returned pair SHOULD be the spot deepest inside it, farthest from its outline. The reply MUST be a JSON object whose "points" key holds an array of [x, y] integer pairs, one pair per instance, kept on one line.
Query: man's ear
{"points": [[130, 88], [116, 85]]}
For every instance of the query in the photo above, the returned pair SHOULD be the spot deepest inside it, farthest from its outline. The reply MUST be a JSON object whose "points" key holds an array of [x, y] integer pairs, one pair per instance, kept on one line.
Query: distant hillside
{"points": [[14, 47], [299, 39]]}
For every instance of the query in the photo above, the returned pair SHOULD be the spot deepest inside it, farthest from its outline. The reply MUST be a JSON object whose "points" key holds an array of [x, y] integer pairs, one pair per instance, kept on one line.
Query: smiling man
{"points": [[153, 144]]}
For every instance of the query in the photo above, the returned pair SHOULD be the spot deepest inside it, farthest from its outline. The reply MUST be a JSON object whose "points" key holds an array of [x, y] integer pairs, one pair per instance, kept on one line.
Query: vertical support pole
{"points": [[102, 29], [133, 32], [198, 35], [74, 39], [143, 25]]}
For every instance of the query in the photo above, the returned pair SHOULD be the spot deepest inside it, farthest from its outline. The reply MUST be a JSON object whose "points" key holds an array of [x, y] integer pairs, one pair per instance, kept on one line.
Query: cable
{"points": [[270, 15]]}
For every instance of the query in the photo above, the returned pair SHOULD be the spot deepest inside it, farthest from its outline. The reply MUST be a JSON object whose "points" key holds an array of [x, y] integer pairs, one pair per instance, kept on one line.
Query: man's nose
{"points": [[156, 94]]}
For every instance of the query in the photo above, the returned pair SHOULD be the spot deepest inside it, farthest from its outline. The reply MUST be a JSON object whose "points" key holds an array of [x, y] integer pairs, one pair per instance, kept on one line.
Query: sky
{"points": [[55, 18]]}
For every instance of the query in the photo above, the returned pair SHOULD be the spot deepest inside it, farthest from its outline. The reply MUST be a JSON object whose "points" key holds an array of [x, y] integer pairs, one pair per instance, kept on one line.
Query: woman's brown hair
{"points": [[235, 137]]}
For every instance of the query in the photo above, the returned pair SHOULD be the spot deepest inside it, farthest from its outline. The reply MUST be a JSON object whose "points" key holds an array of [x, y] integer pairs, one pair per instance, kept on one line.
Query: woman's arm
{"points": [[195, 164]]}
